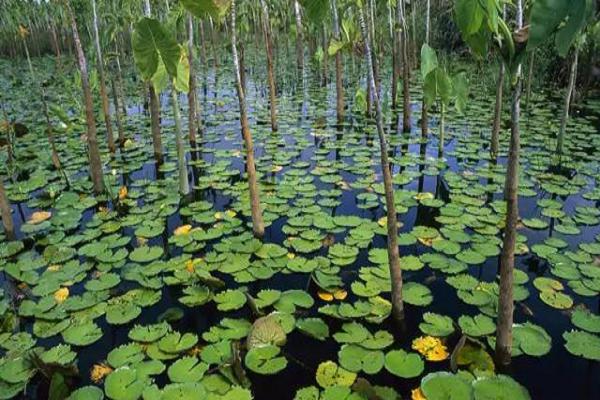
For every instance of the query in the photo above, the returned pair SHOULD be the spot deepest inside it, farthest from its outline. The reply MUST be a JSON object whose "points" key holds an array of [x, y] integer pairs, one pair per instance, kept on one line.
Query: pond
{"points": [[159, 289]]}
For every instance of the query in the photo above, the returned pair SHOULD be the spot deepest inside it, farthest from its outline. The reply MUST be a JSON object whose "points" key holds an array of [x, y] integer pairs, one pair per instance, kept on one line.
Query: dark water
{"points": [[558, 375]]}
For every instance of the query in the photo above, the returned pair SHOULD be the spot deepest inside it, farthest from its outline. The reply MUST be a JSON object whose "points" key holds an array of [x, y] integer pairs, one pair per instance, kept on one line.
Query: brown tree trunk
{"points": [[392, 229], [339, 68], [565, 117], [497, 114], [507, 255], [258, 226], [405, 68], [299, 37], [270, 74], [121, 132], [92, 140], [6, 212], [103, 92], [192, 117]]}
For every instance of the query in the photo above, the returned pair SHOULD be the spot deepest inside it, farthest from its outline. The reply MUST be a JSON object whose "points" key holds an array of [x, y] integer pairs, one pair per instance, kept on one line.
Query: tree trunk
{"points": [[192, 117], [103, 93], [405, 68], [203, 44], [120, 130], [507, 255], [529, 80], [424, 108], [92, 140], [270, 74], [6, 212], [56, 46], [299, 39], [442, 130], [392, 229], [154, 108], [339, 69], [494, 145], [257, 219], [565, 116], [184, 186]]}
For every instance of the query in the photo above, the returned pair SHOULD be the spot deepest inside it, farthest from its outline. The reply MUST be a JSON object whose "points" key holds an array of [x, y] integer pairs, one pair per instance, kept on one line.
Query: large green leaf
{"points": [[429, 61], [460, 88], [207, 8], [469, 16], [152, 42]]}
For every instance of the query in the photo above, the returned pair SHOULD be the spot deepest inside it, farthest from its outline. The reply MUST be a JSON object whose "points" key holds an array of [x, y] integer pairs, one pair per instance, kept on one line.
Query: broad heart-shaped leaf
{"points": [[148, 333], [82, 334], [583, 344], [122, 313], [126, 354], [16, 370], [87, 393], [403, 364], [479, 325], [436, 325], [314, 327], [124, 384], [264, 360], [500, 387], [586, 320], [61, 355], [187, 369], [152, 42], [469, 16], [266, 330], [330, 374], [356, 359], [177, 343], [444, 385], [437, 85], [416, 294], [145, 254], [429, 61], [460, 91], [216, 9]]}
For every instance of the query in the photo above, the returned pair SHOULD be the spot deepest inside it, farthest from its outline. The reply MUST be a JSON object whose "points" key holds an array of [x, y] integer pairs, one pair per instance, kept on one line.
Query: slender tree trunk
{"points": [[258, 226], [56, 46], [339, 68], [103, 92], [442, 130], [392, 229], [6, 212], [92, 140], [184, 186], [494, 145], [424, 108], [203, 44], [270, 73], [120, 93], [213, 41], [154, 108], [405, 69], [507, 255], [192, 117], [120, 130], [299, 37], [565, 116], [395, 60], [529, 80]]}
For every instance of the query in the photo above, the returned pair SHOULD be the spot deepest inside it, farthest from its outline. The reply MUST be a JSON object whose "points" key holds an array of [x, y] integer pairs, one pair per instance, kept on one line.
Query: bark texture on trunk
{"points": [[339, 68], [258, 226], [92, 140], [103, 92], [115, 96], [6, 212], [507, 255], [565, 116], [405, 68], [270, 73], [192, 117], [184, 186], [155, 123], [495, 142], [299, 36], [392, 229]]}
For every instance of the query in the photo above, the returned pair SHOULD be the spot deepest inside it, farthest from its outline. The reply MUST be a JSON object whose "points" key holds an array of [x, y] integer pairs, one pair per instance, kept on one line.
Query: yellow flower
{"points": [[417, 394], [423, 195], [340, 294], [123, 192], [189, 266], [23, 32], [182, 230], [99, 371], [291, 256], [218, 215], [326, 296], [431, 347], [141, 241], [61, 295], [276, 168], [39, 216]]}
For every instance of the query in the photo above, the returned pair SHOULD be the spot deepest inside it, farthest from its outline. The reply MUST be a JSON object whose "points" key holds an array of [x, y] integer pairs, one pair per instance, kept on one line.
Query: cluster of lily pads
{"points": [[84, 266]]}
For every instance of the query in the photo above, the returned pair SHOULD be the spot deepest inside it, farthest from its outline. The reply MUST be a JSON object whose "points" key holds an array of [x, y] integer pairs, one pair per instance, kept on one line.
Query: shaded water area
{"points": [[313, 173]]}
